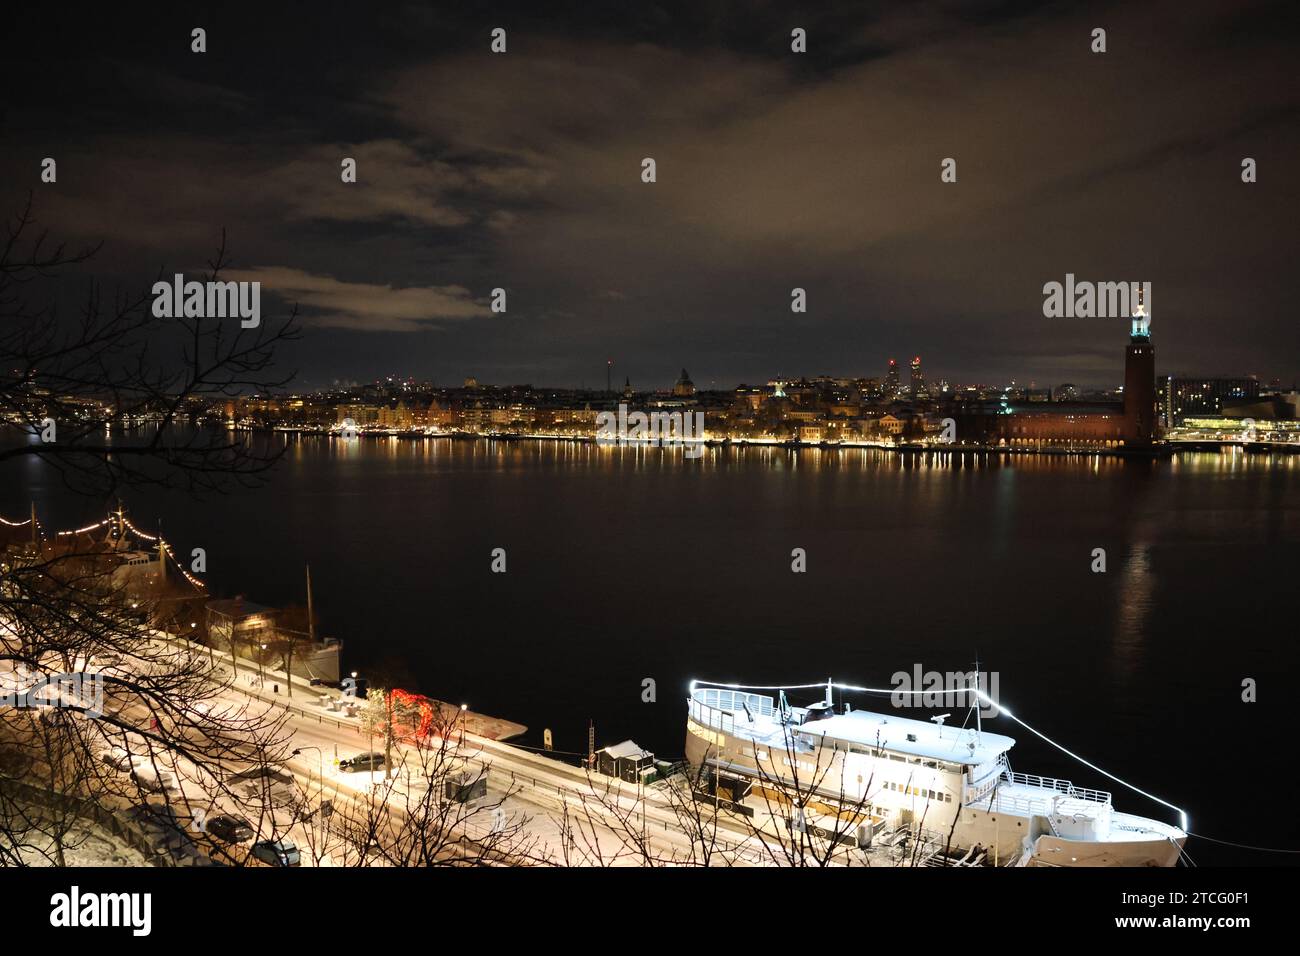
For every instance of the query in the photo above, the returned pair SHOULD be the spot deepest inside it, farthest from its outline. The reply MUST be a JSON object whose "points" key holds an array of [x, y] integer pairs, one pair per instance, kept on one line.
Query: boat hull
{"points": [[1053, 851]]}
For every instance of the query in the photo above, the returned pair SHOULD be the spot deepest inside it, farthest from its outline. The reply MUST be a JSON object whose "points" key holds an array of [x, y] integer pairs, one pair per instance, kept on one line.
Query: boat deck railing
{"points": [[723, 698], [1064, 787], [709, 716], [1009, 801], [721, 708]]}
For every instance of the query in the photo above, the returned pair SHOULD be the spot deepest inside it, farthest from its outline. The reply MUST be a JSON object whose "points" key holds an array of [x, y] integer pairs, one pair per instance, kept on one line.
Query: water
{"points": [[628, 564]]}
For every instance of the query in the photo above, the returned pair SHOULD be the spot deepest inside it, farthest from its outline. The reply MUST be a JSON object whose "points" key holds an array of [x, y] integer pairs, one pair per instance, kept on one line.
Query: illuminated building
{"points": [[892, 386], [1068, 392], [918, 380], [1184, 397], [1017, 421], [1140, 381]]}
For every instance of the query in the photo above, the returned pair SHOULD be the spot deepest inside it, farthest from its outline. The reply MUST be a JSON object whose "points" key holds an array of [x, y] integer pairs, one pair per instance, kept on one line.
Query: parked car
{"points": [[154, 781], [368, 762], [277, 853], [363, 762], [161, 816], [275, 787], [263, 775], [118, 759], [164, 828], [229, 829]]}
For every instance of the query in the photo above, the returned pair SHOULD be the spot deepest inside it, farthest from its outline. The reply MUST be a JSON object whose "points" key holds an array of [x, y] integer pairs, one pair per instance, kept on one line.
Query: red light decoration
{"points": [[419, 728]]}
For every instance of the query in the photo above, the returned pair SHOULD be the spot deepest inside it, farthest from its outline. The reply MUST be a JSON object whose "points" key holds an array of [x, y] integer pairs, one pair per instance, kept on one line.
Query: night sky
{"points": [[775, 170]]}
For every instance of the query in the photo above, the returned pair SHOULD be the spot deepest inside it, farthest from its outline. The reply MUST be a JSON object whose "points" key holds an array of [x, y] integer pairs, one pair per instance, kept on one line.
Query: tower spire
{"points": [[1141, 324]]}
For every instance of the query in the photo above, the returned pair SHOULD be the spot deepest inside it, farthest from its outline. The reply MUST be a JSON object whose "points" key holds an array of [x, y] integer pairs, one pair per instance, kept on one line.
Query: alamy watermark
{"points": [[654, 428], [957, 689], [208, 300], [1095, 300], [133, 911], [83, 692]]}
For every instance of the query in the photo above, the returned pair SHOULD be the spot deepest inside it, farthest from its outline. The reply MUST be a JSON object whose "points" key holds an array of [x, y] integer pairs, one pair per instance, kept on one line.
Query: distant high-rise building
{"points": [[1185, 397], [892, 385], [918, 380]]}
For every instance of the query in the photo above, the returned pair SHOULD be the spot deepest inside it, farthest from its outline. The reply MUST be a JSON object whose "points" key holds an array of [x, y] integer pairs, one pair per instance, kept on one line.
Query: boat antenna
{"points": [[975, 701]]}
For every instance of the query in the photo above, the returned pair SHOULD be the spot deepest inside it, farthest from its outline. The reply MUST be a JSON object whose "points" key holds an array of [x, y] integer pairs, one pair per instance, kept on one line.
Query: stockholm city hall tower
{"points": [[1140, 380]]}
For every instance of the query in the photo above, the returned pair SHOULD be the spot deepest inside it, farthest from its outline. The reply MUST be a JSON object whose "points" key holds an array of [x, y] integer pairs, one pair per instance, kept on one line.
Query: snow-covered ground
{"points": [[86, 844]]}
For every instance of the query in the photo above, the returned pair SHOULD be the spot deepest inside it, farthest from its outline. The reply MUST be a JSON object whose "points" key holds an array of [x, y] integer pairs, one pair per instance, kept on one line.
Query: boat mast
{"points": [[979, 725], [311, 618]]}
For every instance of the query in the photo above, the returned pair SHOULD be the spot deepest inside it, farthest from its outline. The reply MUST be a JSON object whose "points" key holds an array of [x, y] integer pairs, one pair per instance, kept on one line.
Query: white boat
{"points": [[897, 775]]}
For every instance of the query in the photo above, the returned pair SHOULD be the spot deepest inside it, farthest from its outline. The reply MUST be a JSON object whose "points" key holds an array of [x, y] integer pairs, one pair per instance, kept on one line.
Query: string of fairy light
{"points": [[126, 525]]}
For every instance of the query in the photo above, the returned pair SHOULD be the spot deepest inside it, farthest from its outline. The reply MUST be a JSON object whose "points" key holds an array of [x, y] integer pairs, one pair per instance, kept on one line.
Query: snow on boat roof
{"points": [[918, 738], [628, 748]]}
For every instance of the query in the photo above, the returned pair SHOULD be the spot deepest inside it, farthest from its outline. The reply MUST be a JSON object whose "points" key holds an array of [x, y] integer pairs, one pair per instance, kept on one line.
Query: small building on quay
{"points": [[627, 761]]}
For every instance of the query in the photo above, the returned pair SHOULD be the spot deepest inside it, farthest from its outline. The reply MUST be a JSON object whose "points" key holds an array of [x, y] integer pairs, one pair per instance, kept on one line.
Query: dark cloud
{"points": [[774, 171], [325, 301]]}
